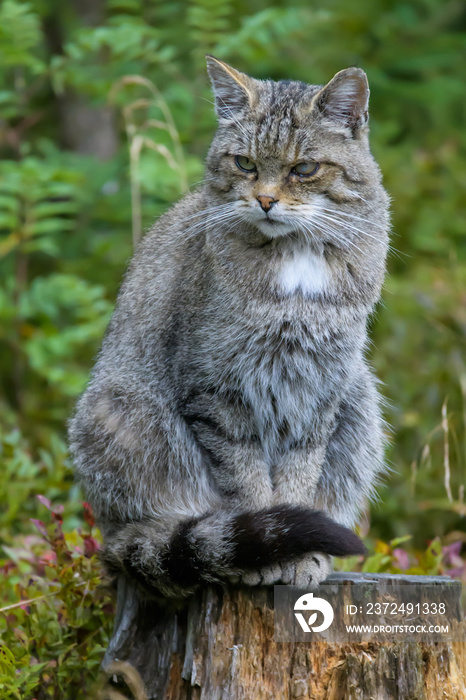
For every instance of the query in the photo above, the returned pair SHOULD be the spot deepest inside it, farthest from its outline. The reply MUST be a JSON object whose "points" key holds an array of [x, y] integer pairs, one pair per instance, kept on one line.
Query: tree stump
{"points": [[220, 645]]}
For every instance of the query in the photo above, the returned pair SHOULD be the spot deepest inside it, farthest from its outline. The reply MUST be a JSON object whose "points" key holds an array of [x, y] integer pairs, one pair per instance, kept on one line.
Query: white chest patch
{"points": [[305, 271]]}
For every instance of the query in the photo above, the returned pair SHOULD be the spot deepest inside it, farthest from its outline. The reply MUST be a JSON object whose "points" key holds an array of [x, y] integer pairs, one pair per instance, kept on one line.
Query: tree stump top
{"points": [[220, 645]]}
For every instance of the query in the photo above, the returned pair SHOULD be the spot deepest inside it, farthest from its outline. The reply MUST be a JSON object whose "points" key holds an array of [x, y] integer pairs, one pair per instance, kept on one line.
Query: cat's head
{"points": [[293, 158]]}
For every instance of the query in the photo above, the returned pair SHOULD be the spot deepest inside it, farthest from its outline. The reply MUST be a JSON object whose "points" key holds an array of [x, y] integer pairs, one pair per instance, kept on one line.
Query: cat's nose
{"points": [[266, 202]]}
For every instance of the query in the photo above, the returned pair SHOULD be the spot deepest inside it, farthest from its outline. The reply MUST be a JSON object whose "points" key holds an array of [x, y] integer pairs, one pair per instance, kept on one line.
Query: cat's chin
{"points": [[273, 228]]}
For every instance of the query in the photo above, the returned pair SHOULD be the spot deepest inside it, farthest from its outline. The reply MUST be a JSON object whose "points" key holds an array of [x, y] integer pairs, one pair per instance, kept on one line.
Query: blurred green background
{"points": [[105, 118]]}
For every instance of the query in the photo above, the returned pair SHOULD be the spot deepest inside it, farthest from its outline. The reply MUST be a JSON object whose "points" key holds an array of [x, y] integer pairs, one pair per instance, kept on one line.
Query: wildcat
{"points": [[231, 428]]}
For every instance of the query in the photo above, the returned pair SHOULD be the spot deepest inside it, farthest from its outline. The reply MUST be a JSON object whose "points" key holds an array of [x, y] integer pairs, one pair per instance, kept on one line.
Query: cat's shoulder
{"points": [[173, 244], [178, 223]]}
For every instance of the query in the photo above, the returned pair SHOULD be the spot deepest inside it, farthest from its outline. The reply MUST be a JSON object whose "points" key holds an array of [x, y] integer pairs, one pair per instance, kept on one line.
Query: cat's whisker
{"points": [[348, 220], [198, 214], [204, 212], [319, 218], [227, 218], [192, 230], [363, 232], [294, 234], [203, 181], [340, 213], [305, 226], [296, 230], [342, 243], [348, 226], [349, 215], [302, 227], [330, 211]]}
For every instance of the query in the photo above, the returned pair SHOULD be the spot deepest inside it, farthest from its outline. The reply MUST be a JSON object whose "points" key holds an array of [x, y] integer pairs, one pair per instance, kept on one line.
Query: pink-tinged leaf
{"points": [[7, 567], [57, 537], [91, 546], [88, 514], [457, 562], [40, 526], [22, 553], [56, 517], [49, 558], [452, 551], [401, 558], [458, 572], [45, 501], [31, 540]]}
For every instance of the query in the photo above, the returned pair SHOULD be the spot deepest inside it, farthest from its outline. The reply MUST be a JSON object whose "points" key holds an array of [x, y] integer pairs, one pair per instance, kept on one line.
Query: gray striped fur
{"points": [[233, 377]]}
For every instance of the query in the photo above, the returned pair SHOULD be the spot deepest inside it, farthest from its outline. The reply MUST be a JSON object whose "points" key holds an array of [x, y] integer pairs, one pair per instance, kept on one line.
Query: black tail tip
{"points": [[349, 544], [315, 530]]}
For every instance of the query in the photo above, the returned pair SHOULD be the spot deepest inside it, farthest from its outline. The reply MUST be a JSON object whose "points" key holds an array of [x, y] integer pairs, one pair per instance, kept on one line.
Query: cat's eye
{"points": [[245, 163], [305, 169]]}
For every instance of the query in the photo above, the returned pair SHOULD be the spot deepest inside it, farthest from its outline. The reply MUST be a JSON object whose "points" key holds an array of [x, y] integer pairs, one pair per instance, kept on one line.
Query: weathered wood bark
{"points": [[221, 646]]}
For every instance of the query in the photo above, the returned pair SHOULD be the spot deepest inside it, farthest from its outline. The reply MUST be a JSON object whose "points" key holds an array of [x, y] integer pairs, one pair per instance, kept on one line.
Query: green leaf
{"points": [[399, 540]]}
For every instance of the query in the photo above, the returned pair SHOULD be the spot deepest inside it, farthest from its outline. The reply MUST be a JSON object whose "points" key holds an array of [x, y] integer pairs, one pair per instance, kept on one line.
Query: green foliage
{"points": [[37, 201], [125, 44], [64, 314], [20, 36], [57, 613], [21, 57], [50, 322], [24, 475], [135, 70], [209, 21], [390, 558]]}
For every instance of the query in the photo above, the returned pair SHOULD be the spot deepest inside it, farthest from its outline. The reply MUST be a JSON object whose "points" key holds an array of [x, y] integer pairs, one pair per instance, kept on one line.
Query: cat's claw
{"points": [[310, 571]]}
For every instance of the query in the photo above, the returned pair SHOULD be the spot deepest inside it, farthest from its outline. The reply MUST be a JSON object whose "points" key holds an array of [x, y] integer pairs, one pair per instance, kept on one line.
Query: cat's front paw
{"points": [[267, 576], [307, 572]]}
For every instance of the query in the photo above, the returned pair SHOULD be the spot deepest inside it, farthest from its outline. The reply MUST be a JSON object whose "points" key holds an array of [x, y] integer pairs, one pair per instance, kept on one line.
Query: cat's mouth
{"points": [[273, 227]]}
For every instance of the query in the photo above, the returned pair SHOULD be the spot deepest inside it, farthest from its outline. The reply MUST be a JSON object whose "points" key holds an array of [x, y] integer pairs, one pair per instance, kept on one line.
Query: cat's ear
{"points": [[233, 90], [345, 99]]}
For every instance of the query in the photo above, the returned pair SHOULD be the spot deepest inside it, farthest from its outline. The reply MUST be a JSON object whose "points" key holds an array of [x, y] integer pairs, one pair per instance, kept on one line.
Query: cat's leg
{"points": [[354, 459], [241, 475], [295, 481], [297, 473], [340, 474], [296, 478], [339, 484]]}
